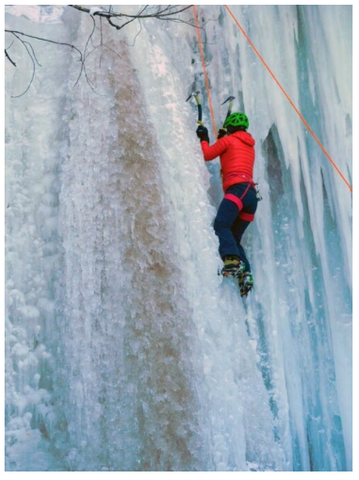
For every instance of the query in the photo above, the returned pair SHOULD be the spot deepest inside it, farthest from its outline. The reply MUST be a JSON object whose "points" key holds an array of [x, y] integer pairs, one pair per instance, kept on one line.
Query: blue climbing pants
{"points": [[234, 215]]}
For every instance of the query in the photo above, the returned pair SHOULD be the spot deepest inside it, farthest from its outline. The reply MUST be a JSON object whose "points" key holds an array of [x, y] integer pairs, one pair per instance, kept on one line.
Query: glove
{"points": [[222, 132], [202, 133]]}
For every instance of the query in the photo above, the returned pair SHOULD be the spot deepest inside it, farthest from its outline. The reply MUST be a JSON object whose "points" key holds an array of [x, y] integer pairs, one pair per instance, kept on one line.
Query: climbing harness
{"points": [[248, 217], [274, 78]]}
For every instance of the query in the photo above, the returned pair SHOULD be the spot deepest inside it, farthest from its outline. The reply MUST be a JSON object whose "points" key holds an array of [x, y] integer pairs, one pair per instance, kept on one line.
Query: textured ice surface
{"points": [[124, 348]]}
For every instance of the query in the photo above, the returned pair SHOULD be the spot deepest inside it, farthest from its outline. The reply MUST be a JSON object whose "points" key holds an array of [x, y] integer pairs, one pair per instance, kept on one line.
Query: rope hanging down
{"points": [[205, 72], [290, 100]]}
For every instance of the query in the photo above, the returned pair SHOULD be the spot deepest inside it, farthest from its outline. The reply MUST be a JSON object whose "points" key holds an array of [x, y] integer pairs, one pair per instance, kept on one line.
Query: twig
{"points": [[8, 57], [15, 33], [33, 69], [159, 12], [135, 37], [108, 14]]}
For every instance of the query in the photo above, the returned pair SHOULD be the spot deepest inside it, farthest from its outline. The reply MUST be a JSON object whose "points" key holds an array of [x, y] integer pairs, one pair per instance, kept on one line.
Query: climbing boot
{"points": [[245, 283], [233, 266]]}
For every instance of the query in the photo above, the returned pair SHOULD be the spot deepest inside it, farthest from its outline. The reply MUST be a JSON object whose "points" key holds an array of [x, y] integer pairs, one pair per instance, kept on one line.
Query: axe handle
{"points": [[199, 113], [198, 101], [229, 111]]}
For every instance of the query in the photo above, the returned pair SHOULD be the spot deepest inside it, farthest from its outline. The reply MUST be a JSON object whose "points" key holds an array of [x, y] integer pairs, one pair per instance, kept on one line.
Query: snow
{"points": [[94, 10], [124, 348], [37, 13]]}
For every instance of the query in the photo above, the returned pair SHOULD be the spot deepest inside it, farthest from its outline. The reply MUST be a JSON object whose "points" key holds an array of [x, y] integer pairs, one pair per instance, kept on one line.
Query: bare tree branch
{"points": [[33, 67], [135, 37], [90, 37], [115, 19], [8, 57], [101, 45], [85, 55], [160, 14], [33, 52], [17, 33], [44, 40]]}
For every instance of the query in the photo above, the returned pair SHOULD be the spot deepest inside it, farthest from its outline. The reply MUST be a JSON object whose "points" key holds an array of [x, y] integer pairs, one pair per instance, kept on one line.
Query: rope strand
{"points": [[290, 100], [205, 72]]}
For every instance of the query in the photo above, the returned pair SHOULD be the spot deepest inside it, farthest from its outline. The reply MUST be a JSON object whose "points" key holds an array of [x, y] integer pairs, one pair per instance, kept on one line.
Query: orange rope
{"points": [[290, 100], [205, 72]]}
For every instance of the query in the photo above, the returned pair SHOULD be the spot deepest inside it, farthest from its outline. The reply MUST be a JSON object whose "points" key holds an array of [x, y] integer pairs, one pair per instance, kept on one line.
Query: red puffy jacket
{"points": [[237, 157]]}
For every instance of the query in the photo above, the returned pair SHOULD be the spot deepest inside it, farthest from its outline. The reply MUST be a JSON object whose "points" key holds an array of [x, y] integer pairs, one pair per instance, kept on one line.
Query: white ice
{"points": [[124, 348]]}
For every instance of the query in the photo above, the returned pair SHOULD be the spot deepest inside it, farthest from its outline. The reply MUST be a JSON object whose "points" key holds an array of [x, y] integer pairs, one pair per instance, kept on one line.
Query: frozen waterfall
{"points": [[125, 351]]}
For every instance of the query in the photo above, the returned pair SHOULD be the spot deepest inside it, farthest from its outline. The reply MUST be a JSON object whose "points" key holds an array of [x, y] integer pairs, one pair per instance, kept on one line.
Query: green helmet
{"points": [[237, 119]]}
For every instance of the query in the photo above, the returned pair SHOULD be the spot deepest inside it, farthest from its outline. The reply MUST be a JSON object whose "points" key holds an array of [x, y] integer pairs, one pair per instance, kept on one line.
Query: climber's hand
{"points": [[222, 132], [202, 133]]}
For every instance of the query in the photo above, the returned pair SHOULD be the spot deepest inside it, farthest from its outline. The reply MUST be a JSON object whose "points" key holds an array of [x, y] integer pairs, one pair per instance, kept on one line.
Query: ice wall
{"points": [[125, 349]]}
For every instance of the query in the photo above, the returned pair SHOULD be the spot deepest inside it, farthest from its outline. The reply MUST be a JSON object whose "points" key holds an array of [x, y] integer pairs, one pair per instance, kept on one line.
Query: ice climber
{"points": [[235, 147]]}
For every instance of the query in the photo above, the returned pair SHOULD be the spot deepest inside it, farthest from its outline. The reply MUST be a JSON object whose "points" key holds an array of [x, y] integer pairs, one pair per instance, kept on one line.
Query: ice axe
{"points": [[222, 131], [195, 95], [229, 111]]}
